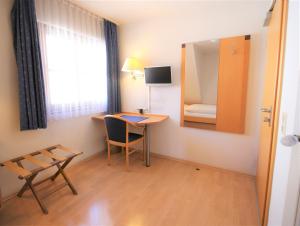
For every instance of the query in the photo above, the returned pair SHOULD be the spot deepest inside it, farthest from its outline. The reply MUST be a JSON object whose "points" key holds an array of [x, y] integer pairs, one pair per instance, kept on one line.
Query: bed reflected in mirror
{"points": [[201, 82]]}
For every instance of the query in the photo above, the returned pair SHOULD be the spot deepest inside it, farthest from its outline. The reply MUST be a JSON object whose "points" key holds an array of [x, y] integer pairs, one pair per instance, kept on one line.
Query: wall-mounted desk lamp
{"points": [[134, 67]]}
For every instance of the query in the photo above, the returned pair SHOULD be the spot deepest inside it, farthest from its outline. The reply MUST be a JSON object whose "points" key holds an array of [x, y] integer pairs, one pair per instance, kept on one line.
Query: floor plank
{"points": [[168, 193]]}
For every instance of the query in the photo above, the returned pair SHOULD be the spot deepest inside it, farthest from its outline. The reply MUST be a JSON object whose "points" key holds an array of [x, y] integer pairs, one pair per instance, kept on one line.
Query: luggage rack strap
{"points": [[53, 156], [13, 167], [69, 150], [36, 161]]}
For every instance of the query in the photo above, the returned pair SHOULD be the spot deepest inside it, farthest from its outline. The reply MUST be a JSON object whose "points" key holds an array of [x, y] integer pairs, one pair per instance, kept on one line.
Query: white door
{"points": [[285, 204], [291, 213], [295, 171]]}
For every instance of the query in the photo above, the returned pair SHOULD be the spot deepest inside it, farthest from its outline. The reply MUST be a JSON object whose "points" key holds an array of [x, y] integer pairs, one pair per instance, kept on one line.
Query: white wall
{"points": [[209, 77], [80, 133], [193, 67], [285, 184], [201, 75], [157, 41]]}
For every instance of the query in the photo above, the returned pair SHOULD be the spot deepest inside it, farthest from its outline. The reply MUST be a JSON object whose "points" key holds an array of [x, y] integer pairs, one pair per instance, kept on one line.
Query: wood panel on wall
{"points": [[183, 55], [232, 83]]}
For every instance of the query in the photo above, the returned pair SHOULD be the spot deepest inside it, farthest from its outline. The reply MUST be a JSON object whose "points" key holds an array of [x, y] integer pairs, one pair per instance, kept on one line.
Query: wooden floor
{"points": [[168, 193]]}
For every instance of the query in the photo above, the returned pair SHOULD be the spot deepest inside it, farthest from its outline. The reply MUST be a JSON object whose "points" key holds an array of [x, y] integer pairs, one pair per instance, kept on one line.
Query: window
{"points": [[74, 63]]}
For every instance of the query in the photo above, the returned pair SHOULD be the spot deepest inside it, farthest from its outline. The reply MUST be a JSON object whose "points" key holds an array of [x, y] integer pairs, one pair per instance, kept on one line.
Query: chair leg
{"points": [[127, 158], [108, 153]]}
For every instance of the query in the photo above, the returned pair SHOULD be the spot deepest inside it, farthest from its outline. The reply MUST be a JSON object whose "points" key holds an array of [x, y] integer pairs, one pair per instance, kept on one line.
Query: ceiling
{"points": [[125, 11]]}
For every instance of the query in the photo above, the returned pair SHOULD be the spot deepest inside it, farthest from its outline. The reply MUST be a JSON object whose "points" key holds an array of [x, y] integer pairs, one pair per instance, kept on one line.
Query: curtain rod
{"points": [[73, 4]]}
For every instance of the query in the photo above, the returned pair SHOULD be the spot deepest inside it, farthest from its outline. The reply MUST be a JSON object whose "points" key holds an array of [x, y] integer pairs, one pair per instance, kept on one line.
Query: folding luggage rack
{"points": [[15, 165]]}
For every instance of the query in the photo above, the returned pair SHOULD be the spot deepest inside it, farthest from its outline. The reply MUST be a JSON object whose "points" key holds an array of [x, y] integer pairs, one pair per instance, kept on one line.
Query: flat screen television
{"points": [[158, 75]]}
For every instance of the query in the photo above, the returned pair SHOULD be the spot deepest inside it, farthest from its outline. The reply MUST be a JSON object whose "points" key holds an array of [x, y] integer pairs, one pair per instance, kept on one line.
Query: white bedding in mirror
{"points": [[200, 110], [201, 115]]}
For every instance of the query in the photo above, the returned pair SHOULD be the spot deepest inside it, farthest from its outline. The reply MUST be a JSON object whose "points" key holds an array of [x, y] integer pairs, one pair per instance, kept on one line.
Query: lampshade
{"points": [[132, 65]]}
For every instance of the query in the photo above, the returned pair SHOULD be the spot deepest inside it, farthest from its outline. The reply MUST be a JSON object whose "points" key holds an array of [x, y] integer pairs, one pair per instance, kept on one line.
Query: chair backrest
{"points": [[116, 129]]}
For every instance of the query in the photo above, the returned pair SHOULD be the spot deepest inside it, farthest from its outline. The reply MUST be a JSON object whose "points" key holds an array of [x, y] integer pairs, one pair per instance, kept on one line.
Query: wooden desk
{"points": [[152, 119]]}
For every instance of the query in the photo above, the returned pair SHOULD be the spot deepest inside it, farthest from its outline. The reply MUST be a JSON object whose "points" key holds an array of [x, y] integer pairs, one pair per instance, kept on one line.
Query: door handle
{"points": [[268, 118], [290, 140]]}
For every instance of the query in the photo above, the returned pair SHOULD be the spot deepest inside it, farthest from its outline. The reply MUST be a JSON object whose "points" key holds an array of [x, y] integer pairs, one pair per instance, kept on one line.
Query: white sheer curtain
{"points": [[74, 59]]}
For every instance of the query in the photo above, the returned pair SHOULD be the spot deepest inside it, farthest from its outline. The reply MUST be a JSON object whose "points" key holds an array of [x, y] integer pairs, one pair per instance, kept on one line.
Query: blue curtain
{"points": [[27, 50], [113, 74]]}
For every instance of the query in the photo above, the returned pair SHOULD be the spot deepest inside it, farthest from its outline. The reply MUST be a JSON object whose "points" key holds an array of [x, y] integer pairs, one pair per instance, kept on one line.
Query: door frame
{"points": [[276, 114]]}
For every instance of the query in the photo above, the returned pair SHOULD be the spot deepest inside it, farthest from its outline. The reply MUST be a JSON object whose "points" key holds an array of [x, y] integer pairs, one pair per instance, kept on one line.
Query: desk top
{"points": [[151, 118]]}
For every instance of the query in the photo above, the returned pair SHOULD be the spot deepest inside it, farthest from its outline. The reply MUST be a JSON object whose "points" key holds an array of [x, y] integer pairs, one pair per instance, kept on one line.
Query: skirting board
{"points": [[200, 165]]}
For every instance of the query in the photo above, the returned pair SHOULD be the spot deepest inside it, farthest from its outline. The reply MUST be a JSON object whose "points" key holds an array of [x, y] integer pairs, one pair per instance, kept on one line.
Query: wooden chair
{"points": [[117, 133]]}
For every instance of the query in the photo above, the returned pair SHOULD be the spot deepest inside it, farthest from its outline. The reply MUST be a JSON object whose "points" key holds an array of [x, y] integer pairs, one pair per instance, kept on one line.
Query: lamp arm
{"points": [[149, 99]]}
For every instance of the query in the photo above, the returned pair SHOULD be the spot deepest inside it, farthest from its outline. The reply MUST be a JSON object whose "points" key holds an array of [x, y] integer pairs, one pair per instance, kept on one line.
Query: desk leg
{"points": [[147, 136]]}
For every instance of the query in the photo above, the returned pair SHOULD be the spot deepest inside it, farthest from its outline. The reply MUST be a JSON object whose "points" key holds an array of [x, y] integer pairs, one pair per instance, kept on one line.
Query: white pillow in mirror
{"points": [[201, 108]]}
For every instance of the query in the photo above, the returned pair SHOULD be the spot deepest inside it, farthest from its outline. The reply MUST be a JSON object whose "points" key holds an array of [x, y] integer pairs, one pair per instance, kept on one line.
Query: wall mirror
{"points": [[214, 84]]}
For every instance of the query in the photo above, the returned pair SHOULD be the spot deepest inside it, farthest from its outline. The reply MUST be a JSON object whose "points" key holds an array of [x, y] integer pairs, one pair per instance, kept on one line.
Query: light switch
{"points": [[283, 123]]}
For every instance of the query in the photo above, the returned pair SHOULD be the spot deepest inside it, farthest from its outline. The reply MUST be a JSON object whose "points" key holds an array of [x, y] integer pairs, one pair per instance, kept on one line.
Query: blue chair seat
{"points": [[134, 136]]}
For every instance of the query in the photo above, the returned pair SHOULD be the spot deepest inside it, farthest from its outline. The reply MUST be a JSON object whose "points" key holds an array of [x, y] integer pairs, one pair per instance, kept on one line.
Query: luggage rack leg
{"points": [[61, 167], [25, 186], [61, 171], [41, 204], [69, 183]]}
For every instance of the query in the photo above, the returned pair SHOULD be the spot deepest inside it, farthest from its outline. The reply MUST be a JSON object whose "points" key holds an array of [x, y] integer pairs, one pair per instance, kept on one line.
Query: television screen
{"points": [[158, 75]]}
